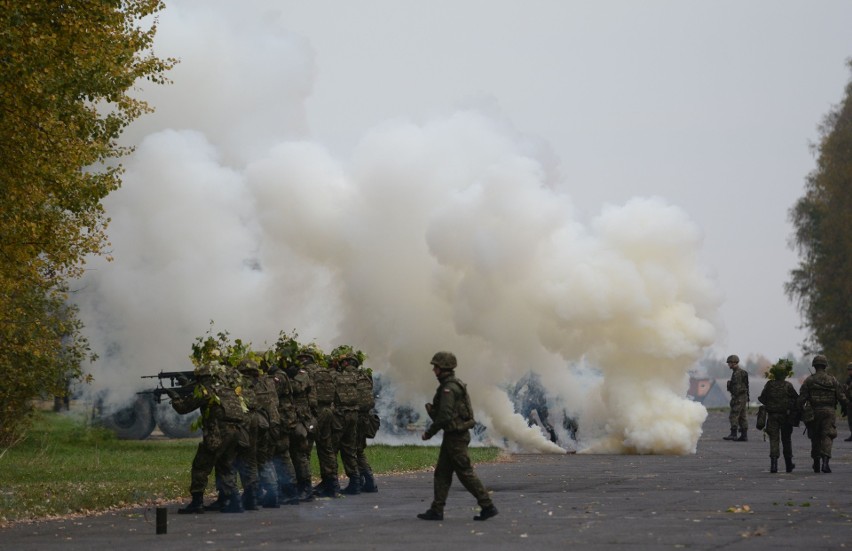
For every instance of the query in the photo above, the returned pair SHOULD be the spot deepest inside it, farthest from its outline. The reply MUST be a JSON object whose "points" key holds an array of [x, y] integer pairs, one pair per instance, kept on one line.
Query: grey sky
{"points": [[711, 105]]}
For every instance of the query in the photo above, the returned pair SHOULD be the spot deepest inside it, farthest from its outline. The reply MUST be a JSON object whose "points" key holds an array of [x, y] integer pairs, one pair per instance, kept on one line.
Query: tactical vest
{"points": [[301, 384], [776, 397], [266, 399], [822, 390], [234, 408], [463, 414], [323, 385], [286, 406], [364, 386], [347, 389]]}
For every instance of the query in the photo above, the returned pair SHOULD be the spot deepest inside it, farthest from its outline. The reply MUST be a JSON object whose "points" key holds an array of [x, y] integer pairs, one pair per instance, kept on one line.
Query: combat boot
{"points": [[486, 513], [288, 494], [306, 493], [732, 436], [234, 504], [743, 436], [431, 514], [218, 504], [773, 464], [269, 500], [848, 439], [369, 483], [788, 463], [331, 487], [250, 499], [195, 507], [816, 464], [354, 487], [825, 467]]}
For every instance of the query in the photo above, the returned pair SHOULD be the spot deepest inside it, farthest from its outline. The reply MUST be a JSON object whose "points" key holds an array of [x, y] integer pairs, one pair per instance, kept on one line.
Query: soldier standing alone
{"points": [[738, 387], [451, 412]]}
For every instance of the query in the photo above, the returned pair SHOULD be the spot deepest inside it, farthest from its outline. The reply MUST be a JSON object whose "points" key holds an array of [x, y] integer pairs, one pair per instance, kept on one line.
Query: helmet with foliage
{"points": [[345, 353], [209, 369], [780, 370], [819, 361], [733, 359], [312, 352], [249, 367], [444, 361]]}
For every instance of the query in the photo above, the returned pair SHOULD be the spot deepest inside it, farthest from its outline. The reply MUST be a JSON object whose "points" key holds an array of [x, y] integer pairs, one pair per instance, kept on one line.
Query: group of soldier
{"points": [[783, 408], [262, 415]]}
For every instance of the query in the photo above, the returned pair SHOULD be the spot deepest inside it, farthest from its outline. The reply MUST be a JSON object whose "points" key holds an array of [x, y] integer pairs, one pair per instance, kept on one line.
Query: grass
{"points": [[65, 467]]}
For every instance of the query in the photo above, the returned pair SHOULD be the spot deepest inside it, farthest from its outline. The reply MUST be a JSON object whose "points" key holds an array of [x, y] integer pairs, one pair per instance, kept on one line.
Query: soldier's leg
{"points": [[464, 469], [225, 460], [443, 478], [368, 481], [348, 452], [284, 470]]}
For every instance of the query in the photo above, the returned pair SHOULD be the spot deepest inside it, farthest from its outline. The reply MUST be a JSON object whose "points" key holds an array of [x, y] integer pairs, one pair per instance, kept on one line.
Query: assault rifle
{"points": [[181, 382]]}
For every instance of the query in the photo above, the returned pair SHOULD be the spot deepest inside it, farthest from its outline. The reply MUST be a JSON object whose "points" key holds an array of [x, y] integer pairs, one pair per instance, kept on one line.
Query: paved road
{"points": [[545, 502]]}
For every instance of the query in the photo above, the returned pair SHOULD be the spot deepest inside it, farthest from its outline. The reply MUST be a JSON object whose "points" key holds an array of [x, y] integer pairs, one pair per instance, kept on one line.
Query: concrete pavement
{"points": [[721, 497]]}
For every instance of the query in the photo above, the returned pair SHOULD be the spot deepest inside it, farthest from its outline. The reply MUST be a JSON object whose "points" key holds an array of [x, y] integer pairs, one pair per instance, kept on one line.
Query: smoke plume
{"points": [[453, 233]]}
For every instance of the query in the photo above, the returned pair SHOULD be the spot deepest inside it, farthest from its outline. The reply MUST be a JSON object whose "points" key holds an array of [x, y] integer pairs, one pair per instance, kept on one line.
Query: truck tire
{"points": [[173, 424], [134, 422]]}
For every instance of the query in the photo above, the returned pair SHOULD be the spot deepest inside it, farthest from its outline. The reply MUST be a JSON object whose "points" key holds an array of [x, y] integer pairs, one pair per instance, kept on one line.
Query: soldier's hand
{"points": [[425, 436], [171, 393]]}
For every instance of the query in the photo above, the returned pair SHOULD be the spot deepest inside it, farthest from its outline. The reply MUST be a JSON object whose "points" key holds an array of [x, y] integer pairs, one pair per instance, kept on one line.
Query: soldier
{"points": [[368, 424], [823, 392], [848, 388], [779, 398], [282, 459], [452, 412], [305, 401], [324, 386], [738, 387], [346, 413], [245, 377], [265, 409], [223, 432]]}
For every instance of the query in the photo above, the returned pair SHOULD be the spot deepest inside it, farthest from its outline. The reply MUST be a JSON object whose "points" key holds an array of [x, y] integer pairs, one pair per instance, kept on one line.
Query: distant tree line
{"points": [[821, 283]]}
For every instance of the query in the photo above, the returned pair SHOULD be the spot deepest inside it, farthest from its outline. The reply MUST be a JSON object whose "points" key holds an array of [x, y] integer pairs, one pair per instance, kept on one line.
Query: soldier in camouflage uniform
{"points": [[346, 412], [265, 410], [323, 380], [247, 467], [223, 432], [367, 425], [823, 392], [779, 398], [305, 401], [738, 387], [848, 390], [452, 412], [282, 459]]}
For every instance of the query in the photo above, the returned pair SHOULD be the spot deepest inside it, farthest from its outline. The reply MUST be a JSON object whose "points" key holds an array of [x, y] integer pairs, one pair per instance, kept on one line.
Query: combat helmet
{"points": [[249, 367], [311, 351], [445, 361], [733, 359], [346, 354], [820, 361]]}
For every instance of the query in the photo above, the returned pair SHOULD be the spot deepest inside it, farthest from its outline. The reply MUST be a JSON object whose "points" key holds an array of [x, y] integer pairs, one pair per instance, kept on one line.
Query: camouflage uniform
{"points": [[779, 399], [848, 390], [346, 414], [738, 387], [823, 392], [223, 433], [264, 408], [451, 411], [326, 428], [305, 401], [367, 428], [282, 460]]}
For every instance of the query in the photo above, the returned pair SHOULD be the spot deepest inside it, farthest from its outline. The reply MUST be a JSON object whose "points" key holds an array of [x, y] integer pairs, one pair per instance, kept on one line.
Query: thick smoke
{"points": [[449, 234]]}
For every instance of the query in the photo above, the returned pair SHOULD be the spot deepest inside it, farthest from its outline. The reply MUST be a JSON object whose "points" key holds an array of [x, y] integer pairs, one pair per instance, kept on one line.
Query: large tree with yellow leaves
{"points": [[67, 72]]}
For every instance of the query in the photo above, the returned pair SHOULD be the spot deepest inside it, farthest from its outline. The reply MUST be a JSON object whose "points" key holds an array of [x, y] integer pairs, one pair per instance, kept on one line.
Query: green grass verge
{"points": [[66, 467]]}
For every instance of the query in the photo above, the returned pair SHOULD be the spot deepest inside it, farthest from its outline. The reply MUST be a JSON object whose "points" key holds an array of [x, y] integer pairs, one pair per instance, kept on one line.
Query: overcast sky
{"points": [[710, 105]]}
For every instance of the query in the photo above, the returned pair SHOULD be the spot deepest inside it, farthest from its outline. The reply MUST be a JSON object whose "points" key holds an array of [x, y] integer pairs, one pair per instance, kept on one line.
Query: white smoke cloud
{"points": [[449, 234]]}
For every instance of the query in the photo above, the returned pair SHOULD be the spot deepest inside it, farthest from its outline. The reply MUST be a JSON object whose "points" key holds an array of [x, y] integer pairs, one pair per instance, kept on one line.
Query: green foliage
{"points": [[66, 70], [780, 370], [67, 467], [820, 284]]}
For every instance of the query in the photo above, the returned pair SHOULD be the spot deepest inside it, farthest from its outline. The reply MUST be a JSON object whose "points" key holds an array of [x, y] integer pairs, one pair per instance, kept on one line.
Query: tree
{"points": [[67, 70], [821, 284]]}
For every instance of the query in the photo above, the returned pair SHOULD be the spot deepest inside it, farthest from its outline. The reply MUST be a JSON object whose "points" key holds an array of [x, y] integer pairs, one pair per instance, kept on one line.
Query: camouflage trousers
{"points": [[822, 431], [779, 430], [218, 449], [346, 441], [284, 469], [738, 417], [327, 426], [300, 455], [453, 458], [361, 443]]}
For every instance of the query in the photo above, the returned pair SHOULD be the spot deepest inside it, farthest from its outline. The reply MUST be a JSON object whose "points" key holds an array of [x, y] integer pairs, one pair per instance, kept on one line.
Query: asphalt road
{"points": [[723, 497]]}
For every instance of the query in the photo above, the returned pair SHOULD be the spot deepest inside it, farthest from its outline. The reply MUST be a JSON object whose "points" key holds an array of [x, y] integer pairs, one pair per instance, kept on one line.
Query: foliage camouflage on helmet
{"points": [[249, 366], [314, 352], [820, 360], [345, 351], [444, 360], [733, 358], [780, 370]]}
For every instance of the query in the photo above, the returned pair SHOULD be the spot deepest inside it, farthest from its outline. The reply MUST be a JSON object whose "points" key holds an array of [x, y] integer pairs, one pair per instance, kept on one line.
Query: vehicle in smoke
{"points": [[147, 411]]}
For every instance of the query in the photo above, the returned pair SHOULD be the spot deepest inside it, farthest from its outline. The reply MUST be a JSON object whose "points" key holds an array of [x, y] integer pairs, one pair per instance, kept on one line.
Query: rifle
{"points": [[181, 382]]}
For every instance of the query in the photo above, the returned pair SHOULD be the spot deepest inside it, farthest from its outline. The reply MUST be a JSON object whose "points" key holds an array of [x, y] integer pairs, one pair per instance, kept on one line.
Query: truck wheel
{"points": [[173, 424], [134, 422]]}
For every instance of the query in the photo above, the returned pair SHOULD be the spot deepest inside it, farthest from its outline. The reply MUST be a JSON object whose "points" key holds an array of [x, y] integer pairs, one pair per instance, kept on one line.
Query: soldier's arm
{"points": [[446, 408]]}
